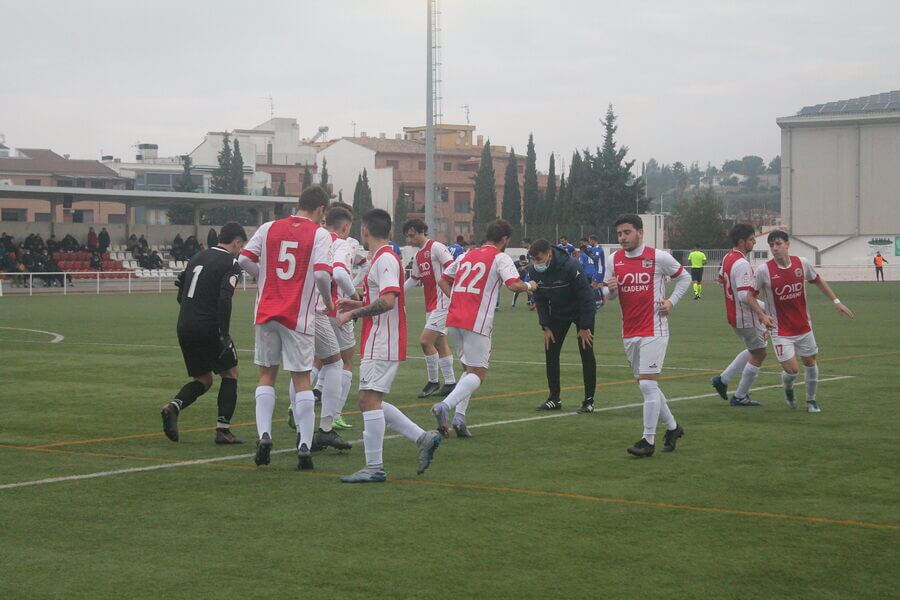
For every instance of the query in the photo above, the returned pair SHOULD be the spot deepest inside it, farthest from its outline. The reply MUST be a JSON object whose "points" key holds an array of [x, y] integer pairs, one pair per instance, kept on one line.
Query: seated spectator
{"points": [[96, 262], [92, 241], [103, 240], [52, 244], [132, 243], [27, 258], [178, 247], [69, 244], [191, 247], [56, 278], [8, 262], [154, 261], [143, 242], [211, 238], [6, 243]]}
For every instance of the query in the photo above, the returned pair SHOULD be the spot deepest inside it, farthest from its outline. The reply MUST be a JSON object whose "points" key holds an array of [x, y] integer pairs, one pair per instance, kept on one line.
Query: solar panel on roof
{"points": [[886, 101]]}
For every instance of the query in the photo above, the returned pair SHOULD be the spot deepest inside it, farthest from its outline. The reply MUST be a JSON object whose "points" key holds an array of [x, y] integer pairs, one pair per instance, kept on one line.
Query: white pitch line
{"points": [[57, 337], [206, 461]]}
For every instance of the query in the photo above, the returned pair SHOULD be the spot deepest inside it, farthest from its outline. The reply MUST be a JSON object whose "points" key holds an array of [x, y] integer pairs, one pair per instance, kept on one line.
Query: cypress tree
{"points": [[185, 183], [401, 210], [324, 178], [221, 177], [307, 178], [485, 189], [546, 210], [530, 197], [512, 198], [281, 191], [355, 227], [238, 185]]}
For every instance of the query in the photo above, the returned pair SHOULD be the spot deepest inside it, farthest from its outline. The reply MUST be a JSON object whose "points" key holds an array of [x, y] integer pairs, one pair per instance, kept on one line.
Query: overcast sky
{"points": [[690, 81]]}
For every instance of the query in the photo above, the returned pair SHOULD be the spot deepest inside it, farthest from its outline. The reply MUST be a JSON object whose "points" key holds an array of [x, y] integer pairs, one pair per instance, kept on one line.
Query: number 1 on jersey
{"points": [[195, 275]]}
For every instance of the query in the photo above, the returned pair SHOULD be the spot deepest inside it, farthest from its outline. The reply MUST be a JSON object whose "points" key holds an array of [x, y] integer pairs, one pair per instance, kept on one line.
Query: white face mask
{"points": [[541, 267]]}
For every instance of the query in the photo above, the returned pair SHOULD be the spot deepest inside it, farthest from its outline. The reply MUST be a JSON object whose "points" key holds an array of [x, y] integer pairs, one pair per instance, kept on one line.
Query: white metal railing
{"points": [[109, 281]]}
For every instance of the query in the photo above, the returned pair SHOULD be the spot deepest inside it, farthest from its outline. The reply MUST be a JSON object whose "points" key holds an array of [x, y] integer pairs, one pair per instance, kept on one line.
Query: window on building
{"points": [[32, 182], [82, 216], [421, 165], [163, 179], [448, 166], [64, 182], [13, 214], [440, 225], [393, 163], [81, 183], [444, 194], [42, 217], [462, 228], [468, 167], [462, 202], [98, 184], [116, 219]]}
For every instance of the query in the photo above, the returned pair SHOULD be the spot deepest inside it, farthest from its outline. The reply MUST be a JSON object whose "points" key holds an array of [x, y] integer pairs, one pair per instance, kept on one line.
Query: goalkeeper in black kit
{"points": [[205, 289]]}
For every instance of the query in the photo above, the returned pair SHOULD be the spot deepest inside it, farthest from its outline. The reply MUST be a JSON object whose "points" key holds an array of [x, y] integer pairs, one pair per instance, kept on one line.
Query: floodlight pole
{"points": [[429, 128]]}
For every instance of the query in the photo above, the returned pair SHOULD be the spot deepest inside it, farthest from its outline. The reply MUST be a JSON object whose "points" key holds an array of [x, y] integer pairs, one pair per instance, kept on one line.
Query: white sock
{"points": [[431, 365], [346, 383], [464, 389], [373, 438], [397, 421], [736, 366], [291, 391], [304, 408], [650, 390], [446, 364], [812, 382], [330, 376], [313, 375], [320, 380], [265, 408], [665, 414], [747, 379], [462, 406], [788, 380]]}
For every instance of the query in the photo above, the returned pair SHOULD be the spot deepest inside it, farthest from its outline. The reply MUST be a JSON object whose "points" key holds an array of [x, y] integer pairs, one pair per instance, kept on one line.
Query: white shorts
{"points": [[277, 345], [377, 375], [436, 320], [473, 349], [344, 334], [801, 345], [646, 355], [326, 341], [754, 338]]}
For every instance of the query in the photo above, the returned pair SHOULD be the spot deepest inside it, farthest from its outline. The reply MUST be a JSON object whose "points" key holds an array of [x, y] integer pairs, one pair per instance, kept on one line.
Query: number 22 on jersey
{"points": [[468, 278]]}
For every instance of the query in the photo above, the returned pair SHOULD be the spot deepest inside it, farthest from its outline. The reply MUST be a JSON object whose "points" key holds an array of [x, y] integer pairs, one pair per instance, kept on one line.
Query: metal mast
{"points": [[430, 105]]}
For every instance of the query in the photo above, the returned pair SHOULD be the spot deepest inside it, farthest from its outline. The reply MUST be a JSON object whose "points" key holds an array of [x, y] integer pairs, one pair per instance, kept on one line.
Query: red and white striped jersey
{"points": [[428, 267], [288, 252], [737, 275], [641, 285], [338, 258], [384, 336], [476, 277], [784, 292]]}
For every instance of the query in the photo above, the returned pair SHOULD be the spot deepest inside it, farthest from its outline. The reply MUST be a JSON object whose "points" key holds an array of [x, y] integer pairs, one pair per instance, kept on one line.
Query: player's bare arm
{"points": [[382, 305], [829, 293], [749, 298]]}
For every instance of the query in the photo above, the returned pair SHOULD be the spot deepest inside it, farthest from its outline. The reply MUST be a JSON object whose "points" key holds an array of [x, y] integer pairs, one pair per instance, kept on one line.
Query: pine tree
{"points": [[185, 183], [340, 196], [401, 210], [365, 196], [546, 210], [620, 191], [324, 177], [485, 189], [355, 227], [238, 185], [221, 177], [512, 198], [307, 178], [530, 197]]}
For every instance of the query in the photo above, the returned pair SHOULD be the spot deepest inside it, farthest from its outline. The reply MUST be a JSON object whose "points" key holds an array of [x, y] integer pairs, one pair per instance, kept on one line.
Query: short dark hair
{"points": [[630, 219], [230, 232], [539, 246], [378, 222], [343, 205], [523, 257], [582, 240], [313, 197], [593, 237], [498, 230], [418, 225], [460, 240], [337, 215], [741, 231], [778, 234], [562, 237]]}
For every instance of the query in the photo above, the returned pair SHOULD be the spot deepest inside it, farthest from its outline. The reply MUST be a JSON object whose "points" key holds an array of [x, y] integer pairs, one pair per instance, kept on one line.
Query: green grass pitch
{"points": [[755, 503]]}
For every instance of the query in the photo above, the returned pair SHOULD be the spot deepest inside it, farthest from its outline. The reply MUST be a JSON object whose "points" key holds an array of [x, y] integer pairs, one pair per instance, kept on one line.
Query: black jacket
{"points": [[564, 292]]}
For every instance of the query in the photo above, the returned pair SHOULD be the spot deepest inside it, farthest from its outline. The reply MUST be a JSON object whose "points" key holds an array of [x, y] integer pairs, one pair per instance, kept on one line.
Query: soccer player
{"points": [[382, 349], [475, 281], [205, 288], [564, 298], [427, 268], [782, 281], [289, 258], [459, 248], [596, 250], [748, 324], [879, 261], [638, 276], [564, 245], [697, 259]]}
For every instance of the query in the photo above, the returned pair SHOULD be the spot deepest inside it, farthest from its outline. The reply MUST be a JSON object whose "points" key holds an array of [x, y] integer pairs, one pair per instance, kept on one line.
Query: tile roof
{"points": [[41, 160], [416, 147]]}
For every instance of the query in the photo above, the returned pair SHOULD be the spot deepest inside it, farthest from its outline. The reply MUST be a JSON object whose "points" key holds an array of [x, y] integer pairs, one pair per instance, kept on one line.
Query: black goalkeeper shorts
{"points": [[203, 352]]}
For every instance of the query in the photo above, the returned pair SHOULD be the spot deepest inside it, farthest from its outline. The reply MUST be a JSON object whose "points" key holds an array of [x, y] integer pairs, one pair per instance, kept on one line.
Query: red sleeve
{"points": [[512, 280], [678, 272], [322, 267], [340, 265], [250, 255], [390, 290], [746, 287]]}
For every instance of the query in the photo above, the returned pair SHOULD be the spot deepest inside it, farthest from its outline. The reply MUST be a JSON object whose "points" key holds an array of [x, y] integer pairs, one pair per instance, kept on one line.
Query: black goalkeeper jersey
{"points": [[205, 288]]}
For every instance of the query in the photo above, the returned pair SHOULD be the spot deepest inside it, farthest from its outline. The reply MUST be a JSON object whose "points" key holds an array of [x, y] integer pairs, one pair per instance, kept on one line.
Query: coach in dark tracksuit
{"points": [[564, 298]]}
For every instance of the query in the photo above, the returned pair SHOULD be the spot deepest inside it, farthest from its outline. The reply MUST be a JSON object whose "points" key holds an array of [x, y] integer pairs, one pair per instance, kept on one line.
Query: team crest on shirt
{"points": [[647, 263], [233, 280], [798, 272]]}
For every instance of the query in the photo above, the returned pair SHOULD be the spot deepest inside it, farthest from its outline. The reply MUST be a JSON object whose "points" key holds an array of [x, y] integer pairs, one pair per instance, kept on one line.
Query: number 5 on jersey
{"points": [[285, 256]]}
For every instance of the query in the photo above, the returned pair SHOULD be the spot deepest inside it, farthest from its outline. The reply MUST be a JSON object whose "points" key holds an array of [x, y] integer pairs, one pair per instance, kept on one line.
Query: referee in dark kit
{"points": [[205, 288], [564, 298]]}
